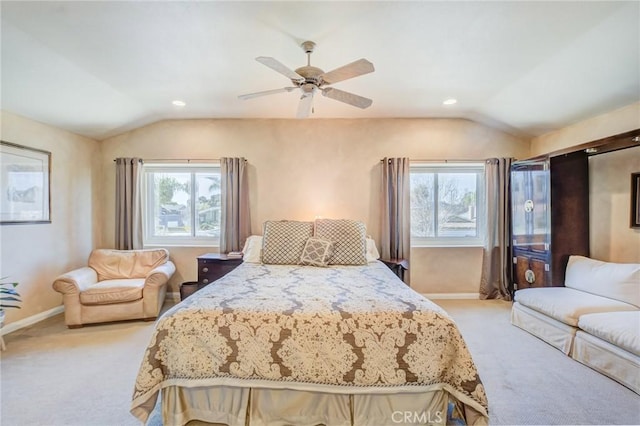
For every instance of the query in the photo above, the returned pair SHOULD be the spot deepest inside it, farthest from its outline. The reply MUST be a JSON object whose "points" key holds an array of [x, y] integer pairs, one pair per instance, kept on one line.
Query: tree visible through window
{"points": [[445, 204], [182, 203]]}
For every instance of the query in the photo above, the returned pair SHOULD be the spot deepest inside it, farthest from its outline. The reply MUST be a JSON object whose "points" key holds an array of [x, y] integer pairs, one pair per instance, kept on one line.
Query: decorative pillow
{"points": [[348, 237], [252, 251], [619, 281], [283, 241], [372, 250], [317, 252]]}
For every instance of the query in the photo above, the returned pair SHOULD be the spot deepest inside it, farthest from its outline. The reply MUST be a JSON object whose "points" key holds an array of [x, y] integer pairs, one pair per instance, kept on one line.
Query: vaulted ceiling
{"points": [[100, 68]]}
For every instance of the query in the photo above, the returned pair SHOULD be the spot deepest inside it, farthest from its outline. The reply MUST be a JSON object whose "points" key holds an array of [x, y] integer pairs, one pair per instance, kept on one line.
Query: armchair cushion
{"points": [[116, 264], [113, 291]]}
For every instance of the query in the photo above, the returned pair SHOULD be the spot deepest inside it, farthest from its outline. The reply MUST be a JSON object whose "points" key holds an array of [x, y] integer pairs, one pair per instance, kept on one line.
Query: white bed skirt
{"points": [[235, 406]]}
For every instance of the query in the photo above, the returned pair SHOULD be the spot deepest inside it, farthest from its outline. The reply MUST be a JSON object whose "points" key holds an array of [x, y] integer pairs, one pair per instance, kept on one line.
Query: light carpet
{"points": [[51, 375]]}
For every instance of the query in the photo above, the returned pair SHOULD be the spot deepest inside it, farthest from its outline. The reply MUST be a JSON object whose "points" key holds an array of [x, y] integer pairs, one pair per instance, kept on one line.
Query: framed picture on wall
{"points": [[635, 200], [24, 184]]}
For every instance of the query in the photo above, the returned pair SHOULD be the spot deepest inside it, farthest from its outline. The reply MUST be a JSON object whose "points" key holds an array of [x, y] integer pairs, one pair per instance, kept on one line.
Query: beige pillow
{"points": [[317, 252], [372, 251], [348, 237], [283, 241], [252, 251]]}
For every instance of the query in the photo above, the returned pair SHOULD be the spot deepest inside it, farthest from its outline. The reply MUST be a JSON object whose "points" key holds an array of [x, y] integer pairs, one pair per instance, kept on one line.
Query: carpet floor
{"points": [[51, 375]]}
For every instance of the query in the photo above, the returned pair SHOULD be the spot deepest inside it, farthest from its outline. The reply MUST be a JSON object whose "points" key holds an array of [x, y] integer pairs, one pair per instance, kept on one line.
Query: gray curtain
{"points": [[496, 263], [128, 204], [235, 222], [395, 241]]}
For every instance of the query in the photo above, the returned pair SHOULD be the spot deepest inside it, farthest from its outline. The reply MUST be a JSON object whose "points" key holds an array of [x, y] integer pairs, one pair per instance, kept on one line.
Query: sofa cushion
{"points": [[568, 304], [116, 264], [619, 281], [621, 329], [108, 292]]}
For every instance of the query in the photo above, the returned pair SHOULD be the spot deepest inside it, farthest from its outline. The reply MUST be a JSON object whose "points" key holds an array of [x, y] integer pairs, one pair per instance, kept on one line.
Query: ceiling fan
{"points": [[311, 79]]}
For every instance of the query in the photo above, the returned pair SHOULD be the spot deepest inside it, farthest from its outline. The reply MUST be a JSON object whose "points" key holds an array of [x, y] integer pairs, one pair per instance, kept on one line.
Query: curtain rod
{"points": [[476, 160], [164, 160]]}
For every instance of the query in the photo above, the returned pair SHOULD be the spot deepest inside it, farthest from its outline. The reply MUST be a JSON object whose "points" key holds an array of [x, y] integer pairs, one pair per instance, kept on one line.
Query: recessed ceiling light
{"points": [[179, 103], [449, 101]]}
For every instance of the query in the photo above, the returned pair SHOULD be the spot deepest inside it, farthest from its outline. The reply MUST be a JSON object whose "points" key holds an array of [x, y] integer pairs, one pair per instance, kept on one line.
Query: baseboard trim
{"points": [[25, 322], [468, 296]]}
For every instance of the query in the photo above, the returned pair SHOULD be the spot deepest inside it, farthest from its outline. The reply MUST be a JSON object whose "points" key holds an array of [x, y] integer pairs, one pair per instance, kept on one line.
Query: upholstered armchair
{"points": [[116, 285]]}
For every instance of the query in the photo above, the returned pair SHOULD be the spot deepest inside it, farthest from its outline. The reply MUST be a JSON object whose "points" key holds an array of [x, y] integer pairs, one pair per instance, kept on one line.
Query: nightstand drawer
{"points": [[214, 266]]}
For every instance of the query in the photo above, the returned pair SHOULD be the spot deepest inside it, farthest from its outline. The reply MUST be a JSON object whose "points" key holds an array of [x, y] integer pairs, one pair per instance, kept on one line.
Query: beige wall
{"points": [[35, 254], [612, 239], [444, 270], [300, 169], [612, 123]]}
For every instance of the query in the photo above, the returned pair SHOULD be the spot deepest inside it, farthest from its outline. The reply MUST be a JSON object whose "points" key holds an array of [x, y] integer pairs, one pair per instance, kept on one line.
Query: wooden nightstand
{"points": [[398, 266], [211, 266]]}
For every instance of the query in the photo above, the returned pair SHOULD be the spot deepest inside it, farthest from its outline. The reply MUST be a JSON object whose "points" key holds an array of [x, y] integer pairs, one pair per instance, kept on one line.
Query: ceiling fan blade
{"points": [[266, 92], [347, 98], [278, 66], [354, 69], [304, 107]]}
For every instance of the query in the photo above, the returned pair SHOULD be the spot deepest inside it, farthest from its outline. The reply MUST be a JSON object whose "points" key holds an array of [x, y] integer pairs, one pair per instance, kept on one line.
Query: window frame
{"points": [[148, 224], [436, 168]]}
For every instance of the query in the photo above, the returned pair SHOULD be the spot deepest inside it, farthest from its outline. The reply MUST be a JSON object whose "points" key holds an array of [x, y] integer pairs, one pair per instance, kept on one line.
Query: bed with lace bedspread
{"points": [[352, 330]]}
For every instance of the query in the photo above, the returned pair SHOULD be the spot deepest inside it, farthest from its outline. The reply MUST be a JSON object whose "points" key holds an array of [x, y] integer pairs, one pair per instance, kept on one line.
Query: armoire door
{"points": [[531, 224]]}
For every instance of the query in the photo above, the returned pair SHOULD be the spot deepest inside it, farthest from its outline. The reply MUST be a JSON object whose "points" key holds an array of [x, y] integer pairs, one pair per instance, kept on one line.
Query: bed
{"points": [[272, 344]]}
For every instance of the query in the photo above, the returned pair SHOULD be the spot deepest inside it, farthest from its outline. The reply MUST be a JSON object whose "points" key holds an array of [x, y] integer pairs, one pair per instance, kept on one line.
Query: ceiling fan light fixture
{"points": [[450, 101], [310, 80]]}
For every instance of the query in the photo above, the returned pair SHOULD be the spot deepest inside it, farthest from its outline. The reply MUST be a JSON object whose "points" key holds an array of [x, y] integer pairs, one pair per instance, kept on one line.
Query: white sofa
{"points": [[595, 318]]}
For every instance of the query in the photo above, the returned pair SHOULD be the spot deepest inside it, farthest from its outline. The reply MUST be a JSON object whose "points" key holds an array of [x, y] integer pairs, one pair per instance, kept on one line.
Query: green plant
{"points": [[9, 297]]}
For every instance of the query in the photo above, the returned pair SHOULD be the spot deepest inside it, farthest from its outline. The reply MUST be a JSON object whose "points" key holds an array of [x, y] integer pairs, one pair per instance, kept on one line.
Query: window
{"points": [[447, 204], [181, 204]]}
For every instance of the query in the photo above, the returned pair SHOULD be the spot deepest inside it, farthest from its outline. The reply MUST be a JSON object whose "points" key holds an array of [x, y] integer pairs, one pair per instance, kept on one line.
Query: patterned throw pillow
{"points": [[283, 241], [348, 237], [317, 252]]}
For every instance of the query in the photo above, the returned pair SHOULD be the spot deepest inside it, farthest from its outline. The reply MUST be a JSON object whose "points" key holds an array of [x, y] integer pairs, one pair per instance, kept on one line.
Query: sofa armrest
{"points": [[75, 281], [159, 276]]}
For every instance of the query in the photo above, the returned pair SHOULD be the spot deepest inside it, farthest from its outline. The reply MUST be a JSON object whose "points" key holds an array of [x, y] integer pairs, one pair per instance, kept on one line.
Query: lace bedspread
{"points": [[345, 329]]}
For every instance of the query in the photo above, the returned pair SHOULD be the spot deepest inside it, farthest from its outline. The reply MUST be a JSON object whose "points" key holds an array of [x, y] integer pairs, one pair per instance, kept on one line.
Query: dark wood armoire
{"points": [[549, 217]]}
